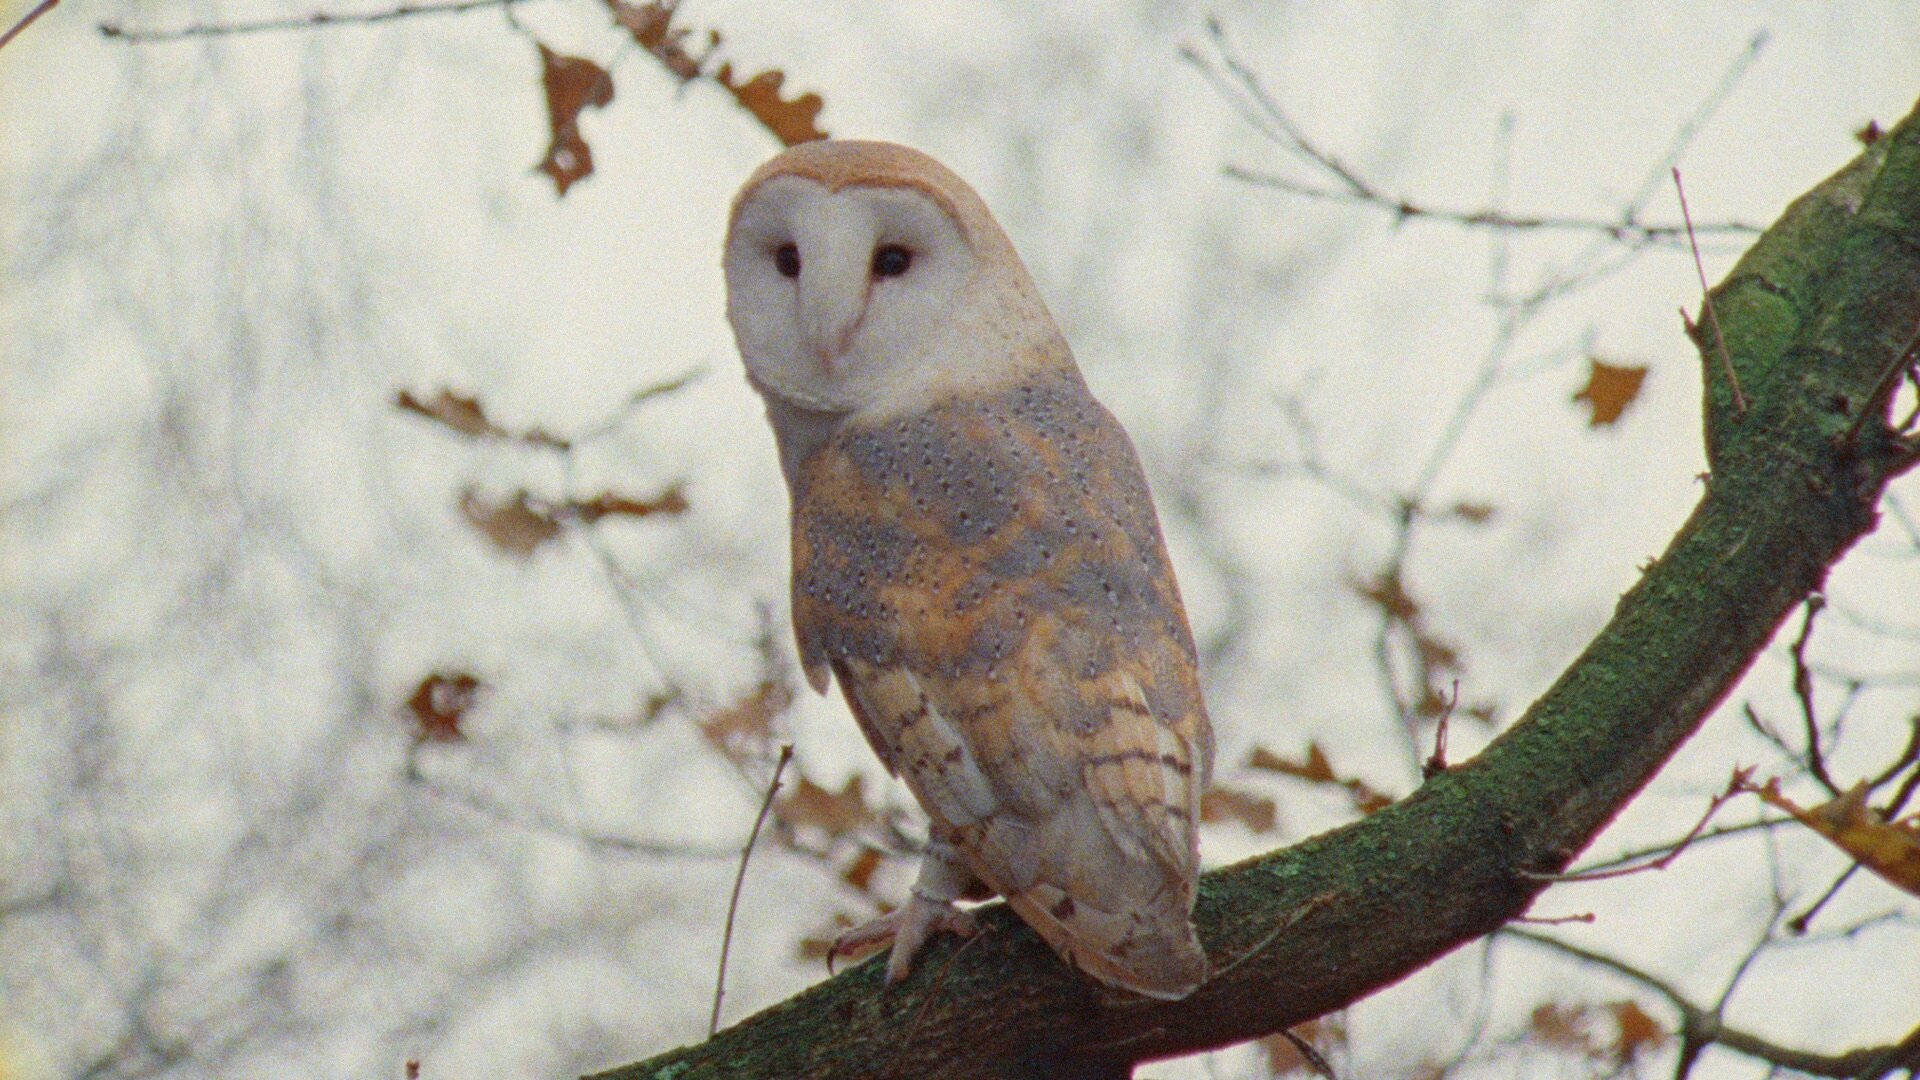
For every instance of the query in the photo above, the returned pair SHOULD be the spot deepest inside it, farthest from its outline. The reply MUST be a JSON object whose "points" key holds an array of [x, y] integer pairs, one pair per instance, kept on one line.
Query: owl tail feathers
{"points": [[1152, 953]]}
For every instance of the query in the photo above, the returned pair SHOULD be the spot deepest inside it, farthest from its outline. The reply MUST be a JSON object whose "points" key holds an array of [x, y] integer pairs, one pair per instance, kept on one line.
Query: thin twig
{"points": [[1799, 923], [1585, 917], [1244, 92], [1437, 764], [1738, 785], [1706, 300], [1408, 210], [1878, 398], [39, 9], [1704, 1025], [739, 879], [1907, 757], [1272, 935], [1803, 689], [312, 21]]}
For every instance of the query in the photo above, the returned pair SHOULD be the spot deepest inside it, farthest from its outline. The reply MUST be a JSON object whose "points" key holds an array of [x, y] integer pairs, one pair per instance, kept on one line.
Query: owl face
{"points": [[864, 276], [831, 292]]}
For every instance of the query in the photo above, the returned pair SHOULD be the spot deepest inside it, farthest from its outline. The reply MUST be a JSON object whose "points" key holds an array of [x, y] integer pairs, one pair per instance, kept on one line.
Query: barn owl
{"points": [[976, 560]]}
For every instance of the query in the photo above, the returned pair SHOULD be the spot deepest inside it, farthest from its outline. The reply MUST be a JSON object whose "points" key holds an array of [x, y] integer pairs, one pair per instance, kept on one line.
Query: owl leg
{"points": [[929, 910]]}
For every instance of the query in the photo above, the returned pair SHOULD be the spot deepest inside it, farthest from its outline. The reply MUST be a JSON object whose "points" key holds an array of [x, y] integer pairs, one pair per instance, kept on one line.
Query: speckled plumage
{"points": [[983, 573]]}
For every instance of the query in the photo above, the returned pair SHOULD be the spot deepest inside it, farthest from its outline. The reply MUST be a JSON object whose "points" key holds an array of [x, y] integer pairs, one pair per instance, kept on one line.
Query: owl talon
{"points": [[908, 927]]}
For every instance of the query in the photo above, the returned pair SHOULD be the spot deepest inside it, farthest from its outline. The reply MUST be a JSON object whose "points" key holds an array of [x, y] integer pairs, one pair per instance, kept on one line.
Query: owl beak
{"points": [[829, 352], [830, 312]]}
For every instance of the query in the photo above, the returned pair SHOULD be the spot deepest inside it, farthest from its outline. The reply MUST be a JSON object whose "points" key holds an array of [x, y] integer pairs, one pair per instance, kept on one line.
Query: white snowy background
{"points": [[229, 559]]}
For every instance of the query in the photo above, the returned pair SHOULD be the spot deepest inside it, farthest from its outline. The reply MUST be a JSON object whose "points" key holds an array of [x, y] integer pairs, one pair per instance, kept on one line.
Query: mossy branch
{"points": [[1812, 317]]}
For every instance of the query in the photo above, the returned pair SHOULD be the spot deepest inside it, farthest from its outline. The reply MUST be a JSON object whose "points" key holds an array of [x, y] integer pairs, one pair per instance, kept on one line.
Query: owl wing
{"points": [[1017, 654], [1088, 834]]}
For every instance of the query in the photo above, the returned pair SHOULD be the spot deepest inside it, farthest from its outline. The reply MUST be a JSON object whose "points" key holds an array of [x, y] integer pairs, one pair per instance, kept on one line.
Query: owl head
{"points": [[867, 277]]}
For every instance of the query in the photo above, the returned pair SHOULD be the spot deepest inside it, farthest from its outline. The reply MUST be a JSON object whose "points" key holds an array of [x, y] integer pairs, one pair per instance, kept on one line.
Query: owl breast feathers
{"points": [[987, 580]]}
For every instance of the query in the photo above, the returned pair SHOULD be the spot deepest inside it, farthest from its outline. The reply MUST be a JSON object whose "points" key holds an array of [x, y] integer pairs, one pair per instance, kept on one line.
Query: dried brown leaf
{"points": [[835, 813], [651, 25], [464, 415], [1638, 1032], [1316, 769], [792, 122], [572, 84], [859, 872], [1890, 849], [1436, 653], [1609, 390], [742, 730], [517, 526], [671, 501], [439, 704], [1563, 1027], [1471, 512], [1387, 593], [1255, 811]]}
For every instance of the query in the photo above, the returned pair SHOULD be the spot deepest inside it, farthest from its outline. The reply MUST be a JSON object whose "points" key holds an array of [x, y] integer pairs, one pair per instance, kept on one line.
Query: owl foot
{"points": [[908, 927]]}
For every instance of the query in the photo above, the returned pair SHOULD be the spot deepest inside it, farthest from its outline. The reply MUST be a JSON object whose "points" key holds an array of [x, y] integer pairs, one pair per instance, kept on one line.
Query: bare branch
{"points": [[1711, 835], [1706, 302], [1738, 785], [1406, 209], [739, 879], [26, 20], [314, 21], [1803, 689], [1905, 362], [1701, 1026], [1242, 89]]}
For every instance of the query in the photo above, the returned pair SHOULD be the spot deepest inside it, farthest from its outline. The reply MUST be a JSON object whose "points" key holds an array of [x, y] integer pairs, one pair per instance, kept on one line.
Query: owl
{"points": [[976, 561]]}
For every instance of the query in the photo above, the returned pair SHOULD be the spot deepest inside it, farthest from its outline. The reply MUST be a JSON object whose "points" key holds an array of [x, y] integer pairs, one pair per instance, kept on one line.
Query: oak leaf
{"points": [[651, 25], [1316, 769], [465, 415], [859, 872], [1221, 803], [671, 501], [1562, 1027], [572, 84], [835, 813], [792, 122], [439, 704], [743, 729], [517, 526], [1638, 1032], [1609, 390], [1890, 849]]}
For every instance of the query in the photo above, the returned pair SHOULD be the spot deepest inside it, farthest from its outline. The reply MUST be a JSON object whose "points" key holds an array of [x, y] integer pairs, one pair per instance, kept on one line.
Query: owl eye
{"points": [[891, 260], [786, 259]]}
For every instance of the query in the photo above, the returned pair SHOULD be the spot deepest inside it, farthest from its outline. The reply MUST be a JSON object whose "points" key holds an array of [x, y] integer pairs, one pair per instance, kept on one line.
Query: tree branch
{"points": [[1700, 1025], [1812, 316], [311, 21]]}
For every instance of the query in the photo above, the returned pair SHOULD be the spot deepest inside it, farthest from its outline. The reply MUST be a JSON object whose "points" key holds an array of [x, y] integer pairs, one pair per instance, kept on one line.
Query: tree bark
{"points": [[1815, 318]]}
